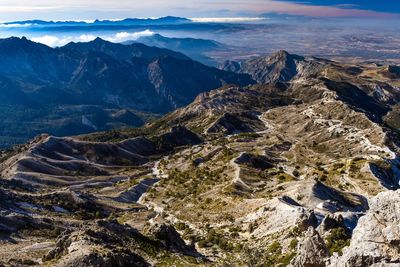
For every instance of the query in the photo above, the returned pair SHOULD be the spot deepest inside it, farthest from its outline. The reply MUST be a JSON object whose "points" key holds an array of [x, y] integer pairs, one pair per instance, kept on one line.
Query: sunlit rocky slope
{"points": [[301, 169]]}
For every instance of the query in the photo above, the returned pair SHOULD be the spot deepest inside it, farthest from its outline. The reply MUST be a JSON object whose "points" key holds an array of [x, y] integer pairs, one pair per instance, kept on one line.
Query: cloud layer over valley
{"points": [[54, 41]]}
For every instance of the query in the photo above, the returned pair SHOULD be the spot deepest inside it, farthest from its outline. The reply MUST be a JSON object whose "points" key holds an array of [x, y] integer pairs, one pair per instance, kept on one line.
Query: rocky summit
{"points": [[300, 169]]}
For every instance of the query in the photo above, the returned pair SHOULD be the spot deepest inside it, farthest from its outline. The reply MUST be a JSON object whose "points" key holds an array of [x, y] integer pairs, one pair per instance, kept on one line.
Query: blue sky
{"points": [[106, 9], [390, 6]]}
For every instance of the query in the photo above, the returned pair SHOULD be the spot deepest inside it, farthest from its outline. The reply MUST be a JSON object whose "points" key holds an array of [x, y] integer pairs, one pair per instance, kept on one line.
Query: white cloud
{"points": [[26, 8], [119, 37], [125, 36], [227, 20], [47, 40], [15, 25], [81, 38]]}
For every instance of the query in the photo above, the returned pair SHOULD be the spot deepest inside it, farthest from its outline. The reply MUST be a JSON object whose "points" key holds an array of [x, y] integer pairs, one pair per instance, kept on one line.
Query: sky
{"points": [[11, 10]]}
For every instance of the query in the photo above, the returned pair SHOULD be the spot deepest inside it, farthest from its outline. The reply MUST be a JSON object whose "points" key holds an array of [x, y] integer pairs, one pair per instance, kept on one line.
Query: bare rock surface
{"points": [[311, 250], [86, 246], [278, 67], [376, 239]]}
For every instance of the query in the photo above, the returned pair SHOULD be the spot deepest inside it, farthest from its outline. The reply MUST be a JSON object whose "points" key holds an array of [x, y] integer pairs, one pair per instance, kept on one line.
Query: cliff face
{"points": [[278, 67], [376, 239]]}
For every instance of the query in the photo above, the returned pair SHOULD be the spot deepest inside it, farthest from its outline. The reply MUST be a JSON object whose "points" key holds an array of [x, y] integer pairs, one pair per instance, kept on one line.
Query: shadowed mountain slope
{"points": [[97, 75]]}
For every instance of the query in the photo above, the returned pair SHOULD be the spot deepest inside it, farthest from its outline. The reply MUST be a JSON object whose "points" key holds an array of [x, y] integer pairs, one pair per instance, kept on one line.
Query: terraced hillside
{"points": [[301, 171]]}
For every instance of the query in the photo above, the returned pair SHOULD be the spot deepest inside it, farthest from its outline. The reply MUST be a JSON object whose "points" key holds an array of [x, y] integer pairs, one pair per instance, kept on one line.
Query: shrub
{"points": [[275, 248], [180, 226], [98, 215], [323, 178], [296, 173], [337, 240], [282, 178], [203, 244], [293, 244]]}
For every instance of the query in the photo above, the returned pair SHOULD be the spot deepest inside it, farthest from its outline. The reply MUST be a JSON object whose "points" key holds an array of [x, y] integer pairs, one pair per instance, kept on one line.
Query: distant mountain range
{"points": [[193, 47], [128, 21], [178, 43], [106, 75], [33, 28]]}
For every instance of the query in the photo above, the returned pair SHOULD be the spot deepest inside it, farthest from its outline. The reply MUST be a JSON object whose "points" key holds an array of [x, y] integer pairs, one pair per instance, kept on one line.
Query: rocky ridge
{"points": [[84, 87], [375, 240], [302, 171]]}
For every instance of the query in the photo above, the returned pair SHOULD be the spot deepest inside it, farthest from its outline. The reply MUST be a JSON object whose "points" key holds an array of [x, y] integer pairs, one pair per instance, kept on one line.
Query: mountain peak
{"points": [[284, 55], [16, 39], [280, 66], [99, 40], [95, 42], [17, 42], [121, 51]]}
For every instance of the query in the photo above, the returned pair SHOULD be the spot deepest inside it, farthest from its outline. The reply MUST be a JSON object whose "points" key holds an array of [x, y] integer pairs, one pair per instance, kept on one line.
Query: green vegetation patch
{"points": [[337, 240]]}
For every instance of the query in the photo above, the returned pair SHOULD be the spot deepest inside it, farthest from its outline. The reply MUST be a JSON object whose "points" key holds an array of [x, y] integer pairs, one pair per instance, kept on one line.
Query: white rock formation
{"points": [[376, 239]]}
